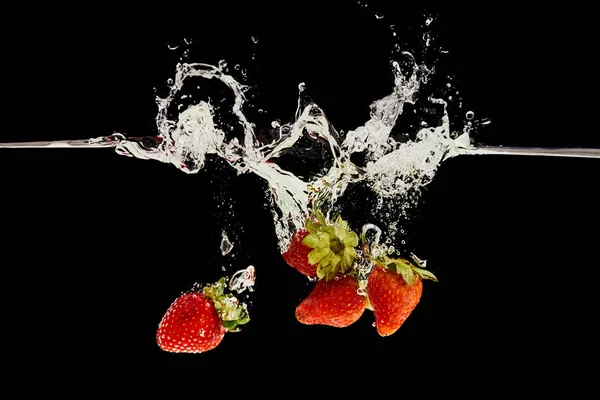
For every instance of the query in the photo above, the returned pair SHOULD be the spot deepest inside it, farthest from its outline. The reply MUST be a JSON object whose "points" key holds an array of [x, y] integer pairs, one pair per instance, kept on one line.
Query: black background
{"points": [[96, 246]]}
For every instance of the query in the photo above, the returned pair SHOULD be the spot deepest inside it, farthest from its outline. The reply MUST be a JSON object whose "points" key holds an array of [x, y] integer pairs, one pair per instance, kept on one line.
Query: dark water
{"points": [[96, 246]]}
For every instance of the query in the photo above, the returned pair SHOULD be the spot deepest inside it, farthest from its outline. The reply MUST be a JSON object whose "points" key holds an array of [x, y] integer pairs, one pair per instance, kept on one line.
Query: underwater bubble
{"points": [[469, 115], [226, 245]]}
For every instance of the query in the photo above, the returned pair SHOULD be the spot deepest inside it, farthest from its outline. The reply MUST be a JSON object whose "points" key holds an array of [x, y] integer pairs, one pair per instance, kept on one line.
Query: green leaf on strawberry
{"points": [[333, 244], [231, 312], [408, 269]]}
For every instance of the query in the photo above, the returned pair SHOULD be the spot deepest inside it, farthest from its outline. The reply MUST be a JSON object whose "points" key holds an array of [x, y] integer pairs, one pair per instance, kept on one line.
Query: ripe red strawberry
{"points": [[197, 321], [297, 254], [394, 291], [334, 303], [190, 325], [323, 249]]}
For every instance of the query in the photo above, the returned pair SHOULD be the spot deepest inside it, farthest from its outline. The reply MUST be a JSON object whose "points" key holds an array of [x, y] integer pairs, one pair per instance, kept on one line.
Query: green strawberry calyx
{"points": [[333, 243], [408, 268], [230, 310]]}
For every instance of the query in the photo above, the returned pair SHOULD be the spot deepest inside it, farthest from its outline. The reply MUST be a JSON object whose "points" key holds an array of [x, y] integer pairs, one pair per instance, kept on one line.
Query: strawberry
{"points": [[297, 254], [323, 249], [394, 291], [334, 303], [197, 321]]}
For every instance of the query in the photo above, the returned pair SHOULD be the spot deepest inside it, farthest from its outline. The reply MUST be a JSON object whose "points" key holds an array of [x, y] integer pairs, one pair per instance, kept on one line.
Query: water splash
{"points": [[242, 280], [393, 169]]}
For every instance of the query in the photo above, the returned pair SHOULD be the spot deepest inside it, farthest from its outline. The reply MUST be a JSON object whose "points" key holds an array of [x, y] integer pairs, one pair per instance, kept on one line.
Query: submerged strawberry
{"points": [[334, 303], [197, 321], [394, 290], [296, 255], [324, 249]]}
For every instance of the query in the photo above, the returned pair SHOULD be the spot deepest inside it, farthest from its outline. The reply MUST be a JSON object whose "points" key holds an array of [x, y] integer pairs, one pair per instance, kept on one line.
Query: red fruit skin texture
{"points": [[190, 325], [296, 255], [335, 303], [392, 299]]}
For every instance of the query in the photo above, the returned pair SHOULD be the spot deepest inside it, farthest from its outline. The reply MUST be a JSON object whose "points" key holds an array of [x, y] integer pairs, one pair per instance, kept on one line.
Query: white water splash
{"points": [[242, 280], [391, 169]]}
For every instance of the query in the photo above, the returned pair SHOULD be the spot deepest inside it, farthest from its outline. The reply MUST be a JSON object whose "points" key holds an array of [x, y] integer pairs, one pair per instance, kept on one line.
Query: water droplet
{"points": [[378, 15], [403, 241], [397, 47], [244, 72], [373, 324], [448, 85], [222, 64], [275, 124], [254, 39], [226, 245], [223, 268], [172, 47], [169, 81], [301, 87], [470, 115], [428, 21], [237, 67]]}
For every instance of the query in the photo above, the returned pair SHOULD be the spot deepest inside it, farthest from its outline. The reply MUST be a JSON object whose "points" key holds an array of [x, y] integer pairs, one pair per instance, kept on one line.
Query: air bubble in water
{"points": [[237, 67], [226, 245], [275, 124], [378, 15], [222, 64], [470, 115], [302, 87], [169, 81], [254, 39], [428, 21]]}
